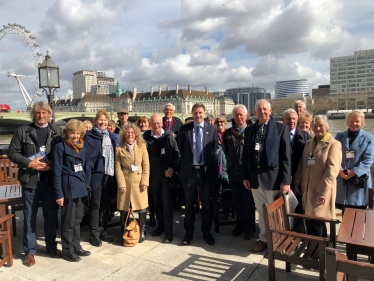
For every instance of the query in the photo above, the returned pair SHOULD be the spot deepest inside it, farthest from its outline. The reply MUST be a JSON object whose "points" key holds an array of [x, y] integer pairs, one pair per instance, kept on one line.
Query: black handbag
{"points": [[358, 181]]}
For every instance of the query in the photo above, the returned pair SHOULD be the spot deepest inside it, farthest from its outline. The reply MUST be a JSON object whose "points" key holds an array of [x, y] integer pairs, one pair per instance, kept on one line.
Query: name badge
{"points": [[134, 168], [258, 147], [162, 151], [349, 154], [78, 168], [311, 161], [42, 148]]}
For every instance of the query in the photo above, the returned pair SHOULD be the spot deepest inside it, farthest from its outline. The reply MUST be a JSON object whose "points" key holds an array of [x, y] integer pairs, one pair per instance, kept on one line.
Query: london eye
{"points": [[19, 58]]}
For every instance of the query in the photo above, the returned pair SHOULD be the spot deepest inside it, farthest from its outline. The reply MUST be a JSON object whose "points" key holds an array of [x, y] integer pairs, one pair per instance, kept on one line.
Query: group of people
{"points": [[139, 163]]}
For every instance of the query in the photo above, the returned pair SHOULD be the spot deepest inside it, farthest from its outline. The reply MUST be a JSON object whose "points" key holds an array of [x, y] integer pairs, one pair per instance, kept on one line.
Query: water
{"points": [[336, 127]]}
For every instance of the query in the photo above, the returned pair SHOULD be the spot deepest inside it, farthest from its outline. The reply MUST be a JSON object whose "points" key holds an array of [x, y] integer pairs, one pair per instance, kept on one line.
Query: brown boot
{"points": [[259, 246]]}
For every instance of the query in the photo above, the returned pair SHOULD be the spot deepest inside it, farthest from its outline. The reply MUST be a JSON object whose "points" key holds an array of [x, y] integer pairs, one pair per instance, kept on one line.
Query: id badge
{"points": [[311, 161], [349, 154], [162, 151], [258, 147], [78, 168], [42, 148], [134, 168]]}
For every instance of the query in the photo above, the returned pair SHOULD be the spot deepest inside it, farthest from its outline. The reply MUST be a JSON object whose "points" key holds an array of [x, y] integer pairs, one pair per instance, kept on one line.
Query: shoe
{"points": [[142, 219], [73, 257], [152, 220], [54, 253], [259, 246], [248, 235], [226, 217], [187, 240], [237, 231], [158, 231], [95, 241], [168, 238], [83, 253], [105, 237], [29, 260], [177, 205], [209, 239]]}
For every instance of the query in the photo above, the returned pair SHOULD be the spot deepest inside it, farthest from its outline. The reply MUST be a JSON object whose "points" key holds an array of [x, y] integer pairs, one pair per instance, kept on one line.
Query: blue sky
{"points": [[205, 43]]}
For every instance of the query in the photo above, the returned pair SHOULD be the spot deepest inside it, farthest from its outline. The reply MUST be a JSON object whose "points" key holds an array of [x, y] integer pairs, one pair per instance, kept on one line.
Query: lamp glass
{"points": [[43, 79], [53, 77]]}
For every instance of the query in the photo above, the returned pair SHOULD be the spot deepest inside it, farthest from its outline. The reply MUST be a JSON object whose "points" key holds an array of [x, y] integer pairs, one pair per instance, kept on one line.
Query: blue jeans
{"points": [[30, 200]]}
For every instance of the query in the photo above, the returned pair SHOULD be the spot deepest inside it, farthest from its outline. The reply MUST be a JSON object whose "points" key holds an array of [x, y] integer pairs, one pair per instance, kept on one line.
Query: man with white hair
{"points": [[299, 107], [169, 122]]}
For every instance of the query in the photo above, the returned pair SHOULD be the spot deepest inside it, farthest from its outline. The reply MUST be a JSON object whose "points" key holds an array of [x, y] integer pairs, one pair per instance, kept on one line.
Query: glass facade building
{"points": [[247, 96], [283, 88]]}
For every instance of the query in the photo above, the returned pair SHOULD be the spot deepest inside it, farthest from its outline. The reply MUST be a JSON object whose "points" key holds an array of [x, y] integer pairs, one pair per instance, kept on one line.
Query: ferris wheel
{"points": [[19, 58]]}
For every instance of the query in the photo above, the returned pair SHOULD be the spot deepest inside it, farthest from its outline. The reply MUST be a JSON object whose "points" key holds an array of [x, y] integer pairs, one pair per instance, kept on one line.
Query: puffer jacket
{"points": [[24, 144]]}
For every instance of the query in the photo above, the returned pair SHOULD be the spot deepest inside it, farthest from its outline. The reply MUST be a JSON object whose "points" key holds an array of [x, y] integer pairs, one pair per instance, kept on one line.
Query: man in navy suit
{"points": [[197, 143], [266, 162]]}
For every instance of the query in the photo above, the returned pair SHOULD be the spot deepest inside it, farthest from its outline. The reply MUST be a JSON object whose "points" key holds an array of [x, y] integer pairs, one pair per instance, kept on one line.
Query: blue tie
{"points": [[199, 148], [169, 124]]}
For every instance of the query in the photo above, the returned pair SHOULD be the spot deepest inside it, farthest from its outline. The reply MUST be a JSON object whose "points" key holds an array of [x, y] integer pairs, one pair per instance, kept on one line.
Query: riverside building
{"points": [[284, 88]]}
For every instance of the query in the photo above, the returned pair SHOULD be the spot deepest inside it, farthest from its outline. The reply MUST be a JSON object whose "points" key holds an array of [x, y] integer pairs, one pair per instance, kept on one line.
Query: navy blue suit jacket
{"points": [[185, 144]]}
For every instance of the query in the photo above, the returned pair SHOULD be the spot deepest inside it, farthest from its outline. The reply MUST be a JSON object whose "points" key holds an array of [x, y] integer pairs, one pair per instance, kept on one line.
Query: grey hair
{"points": [[169, 104], [299, 101], [324, 119], [87, 121], [260, 101], [40, 105], [239, 106], [290, 110], [209, 117]]}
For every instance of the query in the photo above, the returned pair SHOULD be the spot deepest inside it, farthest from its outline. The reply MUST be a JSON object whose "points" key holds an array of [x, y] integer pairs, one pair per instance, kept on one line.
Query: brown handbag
{"points": [[131, 234]]}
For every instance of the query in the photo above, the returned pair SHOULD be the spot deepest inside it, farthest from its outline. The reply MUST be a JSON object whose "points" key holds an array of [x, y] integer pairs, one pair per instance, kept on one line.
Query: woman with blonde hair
{"points": [[69, 181], [143, 124], [132, 173], [305, 122]]}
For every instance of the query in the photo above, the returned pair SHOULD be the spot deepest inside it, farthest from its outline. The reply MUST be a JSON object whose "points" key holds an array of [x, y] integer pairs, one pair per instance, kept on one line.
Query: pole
{"points": [[51, 103]]}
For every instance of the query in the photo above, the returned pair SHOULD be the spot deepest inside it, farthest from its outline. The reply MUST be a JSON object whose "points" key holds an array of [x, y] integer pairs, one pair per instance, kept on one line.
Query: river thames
{"points": [[336, 126]]}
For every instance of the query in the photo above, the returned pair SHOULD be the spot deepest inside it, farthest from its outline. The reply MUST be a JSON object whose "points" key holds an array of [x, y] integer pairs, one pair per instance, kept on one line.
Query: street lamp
{"points": [[49, 80]]}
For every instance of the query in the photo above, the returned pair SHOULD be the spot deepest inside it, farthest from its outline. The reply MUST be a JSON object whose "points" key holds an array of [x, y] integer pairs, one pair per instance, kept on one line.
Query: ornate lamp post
{"points": [[49, 80]]}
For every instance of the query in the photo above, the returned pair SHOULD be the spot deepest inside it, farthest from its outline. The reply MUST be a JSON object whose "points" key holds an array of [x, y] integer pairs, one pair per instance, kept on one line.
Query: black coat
{"points": [[185, 144], [67, 183], [261, 174], [176, 126], [299, 141]]}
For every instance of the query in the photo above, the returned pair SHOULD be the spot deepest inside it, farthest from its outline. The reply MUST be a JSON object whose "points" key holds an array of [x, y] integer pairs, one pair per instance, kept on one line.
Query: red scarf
{"points": [[77, 146], [166, 123]]}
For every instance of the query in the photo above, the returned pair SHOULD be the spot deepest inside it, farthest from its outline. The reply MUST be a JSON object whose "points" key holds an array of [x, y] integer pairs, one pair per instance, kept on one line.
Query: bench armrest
{"points": [[300, 235], [5, 218], [307, 217]]}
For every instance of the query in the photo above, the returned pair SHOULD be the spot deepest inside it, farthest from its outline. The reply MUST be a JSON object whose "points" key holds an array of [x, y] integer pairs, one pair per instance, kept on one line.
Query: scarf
{"points": [[166, 123], [107, 153], [271, 143], [352, 135], [130, 147], [75, 146]]}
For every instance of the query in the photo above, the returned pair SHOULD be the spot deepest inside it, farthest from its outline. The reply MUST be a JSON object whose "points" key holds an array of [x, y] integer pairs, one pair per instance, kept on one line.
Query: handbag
{"points": [[174, 181], [359, 181], [131, 234]]}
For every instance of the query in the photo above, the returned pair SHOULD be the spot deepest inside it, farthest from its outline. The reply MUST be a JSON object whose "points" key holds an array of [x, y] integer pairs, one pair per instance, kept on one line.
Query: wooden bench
{"points": [[6, 241], [338, 267], [292, 247], [220, 204]]}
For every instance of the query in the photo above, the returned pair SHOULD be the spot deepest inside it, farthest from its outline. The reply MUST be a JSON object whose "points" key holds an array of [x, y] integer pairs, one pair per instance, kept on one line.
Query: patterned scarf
{"points": [[75, 146], [107, 153], [130, 147]]}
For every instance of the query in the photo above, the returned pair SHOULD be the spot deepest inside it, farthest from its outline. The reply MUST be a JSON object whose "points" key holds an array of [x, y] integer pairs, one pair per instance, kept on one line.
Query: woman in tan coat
{"points": [[316, 174], [132, 173]]}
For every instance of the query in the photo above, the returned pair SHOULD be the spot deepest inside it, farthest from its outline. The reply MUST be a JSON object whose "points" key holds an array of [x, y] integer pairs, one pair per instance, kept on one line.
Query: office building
{"points": [[283, 88], [321, 91]]}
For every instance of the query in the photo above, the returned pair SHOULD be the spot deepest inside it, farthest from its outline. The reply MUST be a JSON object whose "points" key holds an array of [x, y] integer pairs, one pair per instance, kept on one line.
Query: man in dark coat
{"points": [[197, 142], [123, 116], [35, 176], [266, 162]]}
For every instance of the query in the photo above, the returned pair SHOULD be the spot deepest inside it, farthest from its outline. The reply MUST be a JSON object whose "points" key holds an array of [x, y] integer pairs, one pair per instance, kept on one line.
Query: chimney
{"points": [[176, 89], [167, 89], [134, 92], [71, 98], [82, 95], [159, 91], [151, 91], [206, 89], [189, 88], [66, 98]]}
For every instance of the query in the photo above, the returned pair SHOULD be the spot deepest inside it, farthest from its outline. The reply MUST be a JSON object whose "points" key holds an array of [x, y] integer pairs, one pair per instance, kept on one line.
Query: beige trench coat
{"points": [[132, 180], [319, 178]]}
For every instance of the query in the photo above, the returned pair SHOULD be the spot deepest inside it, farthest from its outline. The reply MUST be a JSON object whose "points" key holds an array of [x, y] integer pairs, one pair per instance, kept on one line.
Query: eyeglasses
{"points": [[220, 122], [130, 133]]}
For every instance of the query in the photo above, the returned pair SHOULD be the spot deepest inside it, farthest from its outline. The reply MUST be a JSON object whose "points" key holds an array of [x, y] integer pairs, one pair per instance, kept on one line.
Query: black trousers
{"points": [[316, 228], [93, 212], [30, 200], [106, 196], [71, 218], [244, 205], [162, 201], [198, 181]]}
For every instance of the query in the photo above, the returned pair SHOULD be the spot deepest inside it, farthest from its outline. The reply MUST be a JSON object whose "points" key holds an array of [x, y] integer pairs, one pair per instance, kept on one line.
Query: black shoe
{"points": [[248, 235], [177, 205], [226, 217], [54, 253], [152, 220], [237, 231], [209, 239], [105, 237], [142, 219], [83, 253], [95, 241], [187, 240], [168, 239], [73, 257], [158, 231]]}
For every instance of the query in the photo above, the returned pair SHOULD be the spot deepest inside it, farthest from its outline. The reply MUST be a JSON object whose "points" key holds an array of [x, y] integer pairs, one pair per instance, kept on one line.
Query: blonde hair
{"points": [[138, 135], [101, 112], [220, 118], [40, 105], [357, 114], [305, 116], [141, 119], [73, 125]]}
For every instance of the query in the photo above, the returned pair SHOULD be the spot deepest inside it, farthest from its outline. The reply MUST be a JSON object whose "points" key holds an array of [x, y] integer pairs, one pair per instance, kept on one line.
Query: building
{"points": [[352, 80], [247, 96], [282, 88], [321, 91], [95, 82], [278, 106]]}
